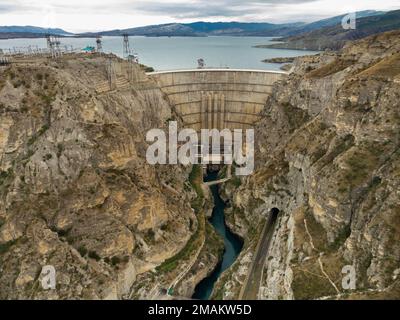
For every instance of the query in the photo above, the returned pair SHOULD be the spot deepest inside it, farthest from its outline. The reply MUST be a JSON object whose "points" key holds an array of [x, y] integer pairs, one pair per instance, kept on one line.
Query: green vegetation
{"points": [[309, 282], [236, 181], [196, 180], [295, 116], [38, 134], [82, 251], [185, 254], [386, 68], [344, 233], [341, 146], [222, 174], [360, 164], [115, 260], [214, 243], [149, 237], [94, 255], [47, 99], [48, 157], [330, 68], [147, 68], [6, 246], [4, 175], [60, 149], [317, 231]]}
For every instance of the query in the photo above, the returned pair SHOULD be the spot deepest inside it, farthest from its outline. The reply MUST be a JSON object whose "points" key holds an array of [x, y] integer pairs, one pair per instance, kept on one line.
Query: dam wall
{"points": [[217, 98]]}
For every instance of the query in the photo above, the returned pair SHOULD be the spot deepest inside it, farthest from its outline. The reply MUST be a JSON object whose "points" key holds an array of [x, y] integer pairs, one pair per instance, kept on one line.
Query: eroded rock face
{"points": [[328, 157], [76, 191]]}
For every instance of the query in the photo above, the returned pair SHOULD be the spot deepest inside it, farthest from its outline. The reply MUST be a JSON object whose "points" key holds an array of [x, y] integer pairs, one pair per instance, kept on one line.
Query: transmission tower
{"points": [[48, 39], [53, 44], [127, 50], [4, 60]]}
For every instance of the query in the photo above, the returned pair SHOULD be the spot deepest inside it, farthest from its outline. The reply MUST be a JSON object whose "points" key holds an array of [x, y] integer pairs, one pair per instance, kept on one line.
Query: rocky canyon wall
{"points": [[76, 191], [327, 156]]}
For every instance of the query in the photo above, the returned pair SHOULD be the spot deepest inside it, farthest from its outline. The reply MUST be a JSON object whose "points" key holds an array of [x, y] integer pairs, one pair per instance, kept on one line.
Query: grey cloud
{"points": [[191, 9], [16, 6], [203, 8], [4, 7]]}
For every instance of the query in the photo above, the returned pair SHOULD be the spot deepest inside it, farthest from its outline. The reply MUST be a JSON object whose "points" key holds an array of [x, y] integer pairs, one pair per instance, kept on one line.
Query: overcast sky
{"points": [[93, 15]]}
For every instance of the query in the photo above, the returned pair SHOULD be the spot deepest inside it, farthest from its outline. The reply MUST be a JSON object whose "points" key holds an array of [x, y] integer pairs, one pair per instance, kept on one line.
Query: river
{"points": [[233, 245]]}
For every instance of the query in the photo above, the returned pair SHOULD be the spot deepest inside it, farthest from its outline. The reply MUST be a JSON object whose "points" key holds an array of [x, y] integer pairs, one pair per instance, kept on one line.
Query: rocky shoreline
{"points": [[280, 60]]}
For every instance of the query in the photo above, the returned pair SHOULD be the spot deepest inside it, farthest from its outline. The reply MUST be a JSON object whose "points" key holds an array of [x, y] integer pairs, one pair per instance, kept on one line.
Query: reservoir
{"points": [[233, 245], [169, 53]]}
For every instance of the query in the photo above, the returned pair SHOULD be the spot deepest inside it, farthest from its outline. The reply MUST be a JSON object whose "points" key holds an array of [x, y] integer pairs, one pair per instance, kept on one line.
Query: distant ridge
{"points": [[198, 29], [335, 37], [202, 28], [32, 29], [195, 29]]}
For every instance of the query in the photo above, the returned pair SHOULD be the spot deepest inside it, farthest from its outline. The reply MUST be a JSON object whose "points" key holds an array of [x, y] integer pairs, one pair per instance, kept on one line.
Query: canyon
{"points": [[77, 193]]}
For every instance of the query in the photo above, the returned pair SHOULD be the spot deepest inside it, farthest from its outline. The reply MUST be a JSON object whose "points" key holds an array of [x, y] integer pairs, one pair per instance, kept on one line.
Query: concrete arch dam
{"points": [[218, 98]]}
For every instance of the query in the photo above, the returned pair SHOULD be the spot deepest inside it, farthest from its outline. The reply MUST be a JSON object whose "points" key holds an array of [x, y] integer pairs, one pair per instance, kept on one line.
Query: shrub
{"points": [[195, 179], [6, 246], [60, 149], [115, 260], [94, 255], [47, 157], [82, 250]]}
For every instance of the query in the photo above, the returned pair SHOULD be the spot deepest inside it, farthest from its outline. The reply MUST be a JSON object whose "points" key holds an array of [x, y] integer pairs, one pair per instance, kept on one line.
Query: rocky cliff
{"points": [[328, 157], [76, 191]]}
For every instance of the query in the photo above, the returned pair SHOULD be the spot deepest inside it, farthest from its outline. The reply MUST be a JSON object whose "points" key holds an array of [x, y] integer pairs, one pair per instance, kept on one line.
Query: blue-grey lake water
{"points": [[168, 53]]}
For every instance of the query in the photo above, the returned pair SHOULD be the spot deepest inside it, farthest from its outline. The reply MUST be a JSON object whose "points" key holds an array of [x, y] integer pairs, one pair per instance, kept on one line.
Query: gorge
{"points": [[77, 193], [233, 245]]}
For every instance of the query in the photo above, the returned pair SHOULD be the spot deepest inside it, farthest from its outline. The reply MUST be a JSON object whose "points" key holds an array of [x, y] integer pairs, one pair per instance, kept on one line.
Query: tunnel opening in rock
{"points": [[275, 212]]}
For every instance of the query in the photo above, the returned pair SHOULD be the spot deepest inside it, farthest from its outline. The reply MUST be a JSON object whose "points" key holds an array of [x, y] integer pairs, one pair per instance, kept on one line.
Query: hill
{"points": [[335, 37], [32, 30]]}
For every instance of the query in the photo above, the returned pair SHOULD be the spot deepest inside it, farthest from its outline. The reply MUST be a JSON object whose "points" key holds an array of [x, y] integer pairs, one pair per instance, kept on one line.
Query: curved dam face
{"points": [[217, 98]]}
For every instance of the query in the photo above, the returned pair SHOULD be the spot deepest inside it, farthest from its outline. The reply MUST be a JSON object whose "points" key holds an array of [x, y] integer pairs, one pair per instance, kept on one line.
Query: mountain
{"points": [[195, 29], [202, 28], [329, 22], [171, 29], [335, 37], [32, 30], [199, 29], [238, 28]]}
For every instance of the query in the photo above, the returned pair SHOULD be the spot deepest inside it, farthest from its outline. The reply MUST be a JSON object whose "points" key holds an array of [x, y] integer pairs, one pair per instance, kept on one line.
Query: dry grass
{"points": [[386, 68], [360, 163], [330, 68]]}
